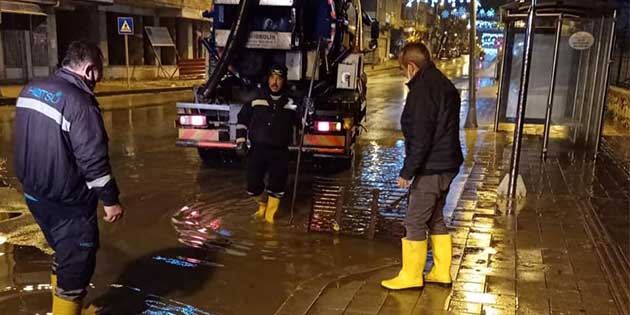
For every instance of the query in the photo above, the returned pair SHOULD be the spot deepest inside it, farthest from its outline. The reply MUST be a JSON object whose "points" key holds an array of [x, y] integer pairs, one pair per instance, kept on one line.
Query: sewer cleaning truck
{"points": [[323, 45]]}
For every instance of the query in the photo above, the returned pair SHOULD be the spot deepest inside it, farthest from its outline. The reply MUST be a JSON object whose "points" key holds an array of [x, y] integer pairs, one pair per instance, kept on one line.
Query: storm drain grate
{"points": [[372, 209]]}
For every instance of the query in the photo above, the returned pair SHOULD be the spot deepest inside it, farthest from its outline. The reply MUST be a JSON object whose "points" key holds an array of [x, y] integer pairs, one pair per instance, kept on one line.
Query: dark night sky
{"points": [[493, 3]]}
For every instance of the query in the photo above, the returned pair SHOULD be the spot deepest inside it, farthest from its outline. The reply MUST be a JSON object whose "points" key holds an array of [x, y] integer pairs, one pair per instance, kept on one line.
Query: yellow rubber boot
{"points": [[262, 206], [272, 206], [442, 254], [53, 284], [414, 256], [65, 307]]}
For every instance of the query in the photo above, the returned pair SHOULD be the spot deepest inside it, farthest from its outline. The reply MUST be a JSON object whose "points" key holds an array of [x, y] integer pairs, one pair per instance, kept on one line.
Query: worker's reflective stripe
{"points": [[31, 198], [290, 106], [99, 182], [275, 194], [260, 103], [47, 110], [241, 127]]}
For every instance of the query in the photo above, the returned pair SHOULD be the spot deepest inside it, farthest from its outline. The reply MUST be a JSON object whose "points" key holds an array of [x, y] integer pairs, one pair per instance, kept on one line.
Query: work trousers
{"points": [[269, 162], [427, 197], [72, 232]]}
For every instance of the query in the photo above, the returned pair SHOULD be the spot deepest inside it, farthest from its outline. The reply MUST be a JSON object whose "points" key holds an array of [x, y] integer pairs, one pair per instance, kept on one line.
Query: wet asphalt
{"points": [[188, 243]]}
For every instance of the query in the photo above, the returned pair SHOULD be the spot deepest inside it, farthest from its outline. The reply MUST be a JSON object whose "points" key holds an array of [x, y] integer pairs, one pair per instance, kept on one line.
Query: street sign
{"points": [[125, 25]]}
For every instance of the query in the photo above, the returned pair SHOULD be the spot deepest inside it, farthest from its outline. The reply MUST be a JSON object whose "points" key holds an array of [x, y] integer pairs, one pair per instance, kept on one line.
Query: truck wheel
{"points": [[209, 156], [333, 165]]}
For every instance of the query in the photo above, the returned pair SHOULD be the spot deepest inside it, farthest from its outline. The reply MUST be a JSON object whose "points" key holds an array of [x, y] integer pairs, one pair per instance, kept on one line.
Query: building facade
{"points": [[388, 13], [35, 33]]}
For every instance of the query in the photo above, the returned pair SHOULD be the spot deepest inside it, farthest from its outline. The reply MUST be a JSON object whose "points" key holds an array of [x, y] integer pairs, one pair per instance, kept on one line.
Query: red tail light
{"points": [[327, 126]]}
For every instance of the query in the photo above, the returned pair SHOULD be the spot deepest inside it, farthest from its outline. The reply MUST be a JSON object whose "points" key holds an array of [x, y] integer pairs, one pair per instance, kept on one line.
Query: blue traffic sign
{"points": [[125, 26]]}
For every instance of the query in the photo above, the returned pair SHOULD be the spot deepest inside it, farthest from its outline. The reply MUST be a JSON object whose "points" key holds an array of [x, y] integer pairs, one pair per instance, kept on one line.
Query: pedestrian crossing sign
{"points": [[125, 25]]}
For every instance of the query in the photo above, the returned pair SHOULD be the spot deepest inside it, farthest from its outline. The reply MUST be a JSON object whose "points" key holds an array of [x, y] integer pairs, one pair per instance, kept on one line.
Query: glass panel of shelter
{"points": [[580, 78]]}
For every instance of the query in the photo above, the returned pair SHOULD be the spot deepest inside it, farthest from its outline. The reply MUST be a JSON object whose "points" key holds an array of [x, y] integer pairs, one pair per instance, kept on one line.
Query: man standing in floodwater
{"points": [[62, 161], [268, 121]]}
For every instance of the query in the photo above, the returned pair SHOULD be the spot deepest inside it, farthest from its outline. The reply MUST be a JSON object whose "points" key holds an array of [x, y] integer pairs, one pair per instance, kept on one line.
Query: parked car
{"points": [[454, 52], [443, 54]]}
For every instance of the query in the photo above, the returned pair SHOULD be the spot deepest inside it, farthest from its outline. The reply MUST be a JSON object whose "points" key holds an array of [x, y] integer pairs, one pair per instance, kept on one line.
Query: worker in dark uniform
{"points": [[62, 161], [268, 121]]}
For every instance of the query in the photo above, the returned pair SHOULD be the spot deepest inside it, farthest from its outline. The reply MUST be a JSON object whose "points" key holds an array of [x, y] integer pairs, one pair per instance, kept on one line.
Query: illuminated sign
{"points": [[491, 40]]}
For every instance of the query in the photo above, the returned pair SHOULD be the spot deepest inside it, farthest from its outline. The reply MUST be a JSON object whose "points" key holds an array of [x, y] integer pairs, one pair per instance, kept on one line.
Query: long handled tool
{"points": [[308, 105], [394, 205]]}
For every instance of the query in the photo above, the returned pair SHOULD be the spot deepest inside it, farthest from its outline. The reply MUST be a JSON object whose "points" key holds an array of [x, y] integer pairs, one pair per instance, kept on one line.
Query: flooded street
{"points": [[188, 243]]}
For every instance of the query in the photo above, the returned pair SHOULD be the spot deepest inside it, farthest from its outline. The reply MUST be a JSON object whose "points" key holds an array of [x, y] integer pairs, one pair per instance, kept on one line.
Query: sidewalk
{"points": [[551, 256], [9, 93]]}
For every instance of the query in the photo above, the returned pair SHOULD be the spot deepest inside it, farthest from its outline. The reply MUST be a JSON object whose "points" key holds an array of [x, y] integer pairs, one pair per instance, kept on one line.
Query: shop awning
{"points": [[20, 8]]}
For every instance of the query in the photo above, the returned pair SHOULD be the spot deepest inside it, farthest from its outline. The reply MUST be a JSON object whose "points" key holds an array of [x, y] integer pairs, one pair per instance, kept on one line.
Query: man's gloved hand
{"points": [[242, 149]]}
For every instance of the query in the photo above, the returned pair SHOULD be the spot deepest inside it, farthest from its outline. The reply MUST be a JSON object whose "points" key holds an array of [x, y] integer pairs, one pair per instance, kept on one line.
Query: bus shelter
{"points": [[554, 72]]}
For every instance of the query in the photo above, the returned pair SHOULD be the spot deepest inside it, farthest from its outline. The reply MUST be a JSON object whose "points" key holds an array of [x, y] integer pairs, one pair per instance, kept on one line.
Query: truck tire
{"points": [[209, 156], [219, 158], [333, 165]]}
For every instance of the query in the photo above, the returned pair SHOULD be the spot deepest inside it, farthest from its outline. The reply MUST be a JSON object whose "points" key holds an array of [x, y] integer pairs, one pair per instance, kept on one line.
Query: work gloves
{"points": [[241, 149]]}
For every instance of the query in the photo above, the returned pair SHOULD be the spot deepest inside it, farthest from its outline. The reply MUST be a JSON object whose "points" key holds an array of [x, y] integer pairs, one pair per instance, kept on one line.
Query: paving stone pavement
{"points": [[543, 256]]}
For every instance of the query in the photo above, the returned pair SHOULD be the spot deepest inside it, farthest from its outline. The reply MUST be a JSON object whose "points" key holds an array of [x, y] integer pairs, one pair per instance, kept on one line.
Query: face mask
{"points": [[90, 80]]}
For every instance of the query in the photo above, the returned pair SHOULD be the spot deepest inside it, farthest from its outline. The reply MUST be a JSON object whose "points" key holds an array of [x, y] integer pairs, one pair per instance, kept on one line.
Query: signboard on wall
{"points": [[159, 36], [259, 40]]}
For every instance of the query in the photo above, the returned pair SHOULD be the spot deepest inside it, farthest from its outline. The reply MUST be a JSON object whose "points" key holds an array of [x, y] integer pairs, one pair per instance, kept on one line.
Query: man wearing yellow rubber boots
{"points": [[269, 122], [62, 161], [430, 125]]}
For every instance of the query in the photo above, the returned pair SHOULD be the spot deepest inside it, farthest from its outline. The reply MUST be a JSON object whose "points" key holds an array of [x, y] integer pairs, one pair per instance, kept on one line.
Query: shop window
{"points": [[39, 41], [13, 37]]}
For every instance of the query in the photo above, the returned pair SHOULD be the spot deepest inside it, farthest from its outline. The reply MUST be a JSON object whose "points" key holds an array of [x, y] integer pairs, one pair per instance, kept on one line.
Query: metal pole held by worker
{"points": [[308, 103]]}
